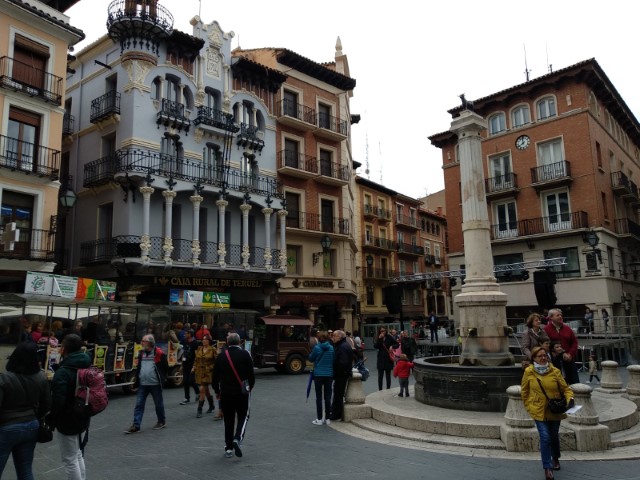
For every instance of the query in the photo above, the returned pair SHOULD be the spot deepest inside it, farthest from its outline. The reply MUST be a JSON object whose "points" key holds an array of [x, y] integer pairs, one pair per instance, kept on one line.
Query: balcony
{"points": [[105, 250], [297, 164], [533, 226], [105, 107], [172, 115], [378, 243], [138, 24], [315, 222], [332, 173], [377, 273], [250, 137], [432, 260], [551, 175], [383, 215], [294, 115], [626, 227], [21, 77], [369, 211], [138, 163], [502, 185], [409, 249], [68, 124], [623, 186], [29, 158], [331, 127], [215, 119], [34, 244], [407, 221]]}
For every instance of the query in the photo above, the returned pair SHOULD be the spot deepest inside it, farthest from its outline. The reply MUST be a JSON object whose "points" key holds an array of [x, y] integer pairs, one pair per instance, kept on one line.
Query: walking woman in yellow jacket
{"points": [[548, 424], [205, 359]]}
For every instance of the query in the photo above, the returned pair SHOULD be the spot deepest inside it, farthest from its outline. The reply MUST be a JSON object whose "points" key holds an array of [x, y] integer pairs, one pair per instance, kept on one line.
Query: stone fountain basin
{"points": [[443, 382]]}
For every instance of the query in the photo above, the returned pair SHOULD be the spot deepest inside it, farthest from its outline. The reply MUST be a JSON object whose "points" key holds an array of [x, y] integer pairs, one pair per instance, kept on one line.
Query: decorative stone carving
{"points": [[245, 257], [145, 246], [167, 248], [222, 253], [137, 71], [213, 63], [195, 250]]}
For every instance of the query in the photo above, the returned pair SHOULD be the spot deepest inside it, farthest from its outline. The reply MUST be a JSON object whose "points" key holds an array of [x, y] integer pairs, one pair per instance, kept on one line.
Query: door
{"points": [[500, 172], [558, 213], [293, 209], [326, 213], [18, 208], [551, 161], [507, 226]]}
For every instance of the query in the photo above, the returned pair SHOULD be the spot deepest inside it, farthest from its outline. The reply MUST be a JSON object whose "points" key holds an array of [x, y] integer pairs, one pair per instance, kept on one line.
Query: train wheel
{"points": [[295, 364]]}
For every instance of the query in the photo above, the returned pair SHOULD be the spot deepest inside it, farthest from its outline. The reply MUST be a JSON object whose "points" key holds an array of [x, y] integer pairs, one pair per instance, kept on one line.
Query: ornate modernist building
{"points": [[34, 39], [562, 166]]}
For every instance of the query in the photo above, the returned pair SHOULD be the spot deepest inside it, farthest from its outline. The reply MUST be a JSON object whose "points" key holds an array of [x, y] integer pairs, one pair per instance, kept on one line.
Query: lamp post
{"points": [[325, 242], [67, 198]]}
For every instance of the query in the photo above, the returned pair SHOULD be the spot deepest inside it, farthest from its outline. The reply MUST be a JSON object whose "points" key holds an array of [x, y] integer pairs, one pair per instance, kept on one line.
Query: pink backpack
{"points": [[91, 389]]}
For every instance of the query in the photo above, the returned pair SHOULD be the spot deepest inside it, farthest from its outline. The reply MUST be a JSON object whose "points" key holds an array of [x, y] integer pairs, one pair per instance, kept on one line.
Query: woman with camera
{"points": [[542, 382]]}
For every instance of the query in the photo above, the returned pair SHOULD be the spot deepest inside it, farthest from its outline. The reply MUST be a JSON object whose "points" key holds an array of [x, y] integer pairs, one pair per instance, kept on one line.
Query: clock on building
{"points": [[522, 142]]}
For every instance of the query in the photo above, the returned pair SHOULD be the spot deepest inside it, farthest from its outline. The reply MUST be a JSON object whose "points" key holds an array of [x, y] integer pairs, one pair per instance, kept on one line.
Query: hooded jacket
{"points": [[322, 358], [63, 390]]}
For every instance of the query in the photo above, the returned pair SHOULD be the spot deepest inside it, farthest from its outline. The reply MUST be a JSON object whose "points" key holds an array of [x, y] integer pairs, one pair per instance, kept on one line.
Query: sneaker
{"points": [[159, 426], [317, 422], [327, 422], [185, 401], [236, 447], [228, 453], [132, 429]]}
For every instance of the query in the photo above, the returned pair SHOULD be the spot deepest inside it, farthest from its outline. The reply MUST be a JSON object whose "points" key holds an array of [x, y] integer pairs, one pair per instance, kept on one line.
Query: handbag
{"points": [[245, 388], [45, 432], [556, 405]]}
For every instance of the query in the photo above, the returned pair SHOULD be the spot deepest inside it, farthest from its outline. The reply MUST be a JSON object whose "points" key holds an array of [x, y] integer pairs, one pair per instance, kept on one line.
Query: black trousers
{"points": [[339, 387], [381, 373], [234, 407], [188, 381]]}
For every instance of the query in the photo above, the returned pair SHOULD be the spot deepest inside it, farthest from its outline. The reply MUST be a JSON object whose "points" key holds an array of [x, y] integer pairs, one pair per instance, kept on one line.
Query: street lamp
{"points": [[325, 242], [590, 237], [67, 198]]}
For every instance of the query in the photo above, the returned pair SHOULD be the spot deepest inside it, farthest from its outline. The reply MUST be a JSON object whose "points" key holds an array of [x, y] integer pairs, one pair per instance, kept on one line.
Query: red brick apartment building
{"points": [[561, 162]]}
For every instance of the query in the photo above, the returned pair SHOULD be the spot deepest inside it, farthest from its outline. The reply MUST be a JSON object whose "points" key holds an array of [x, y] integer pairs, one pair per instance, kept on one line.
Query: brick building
{"points": [[562, 163]]}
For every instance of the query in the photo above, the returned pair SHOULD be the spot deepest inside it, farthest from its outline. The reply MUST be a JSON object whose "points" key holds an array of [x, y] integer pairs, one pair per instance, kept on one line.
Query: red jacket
{"points": [[402, 369], [565, 336]]}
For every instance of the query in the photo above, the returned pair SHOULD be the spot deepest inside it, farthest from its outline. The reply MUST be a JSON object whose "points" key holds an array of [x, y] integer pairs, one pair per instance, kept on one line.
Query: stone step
{"points": [[387, 430], [627, 437]]}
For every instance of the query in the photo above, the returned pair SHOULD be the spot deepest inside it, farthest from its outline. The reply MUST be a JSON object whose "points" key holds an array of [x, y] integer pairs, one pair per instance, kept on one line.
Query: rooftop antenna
{"points": [[549, 66], [526, 68], [200, 9], [367, 156]]}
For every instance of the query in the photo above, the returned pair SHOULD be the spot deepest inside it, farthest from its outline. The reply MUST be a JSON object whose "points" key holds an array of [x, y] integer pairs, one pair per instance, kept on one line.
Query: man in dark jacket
{"points": [[63, 389], [150, 376], [233, 366], [189, 347], [384, 343], [342, 365]]}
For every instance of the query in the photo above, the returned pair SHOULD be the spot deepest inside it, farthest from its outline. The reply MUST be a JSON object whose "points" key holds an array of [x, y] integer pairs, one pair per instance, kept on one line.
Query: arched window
{"points": [[520, 116], [212, 98], [546, 108], [497, 123], [172, 89], [188, 98], [156, 90]]}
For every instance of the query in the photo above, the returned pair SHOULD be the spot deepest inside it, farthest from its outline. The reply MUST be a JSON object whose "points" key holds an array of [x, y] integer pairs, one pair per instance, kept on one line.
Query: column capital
{"points": [[222, 203], [282, 213], [147, 190], [267, 211], [468, 124], [245, 208], [196, 199], [169, 194]]}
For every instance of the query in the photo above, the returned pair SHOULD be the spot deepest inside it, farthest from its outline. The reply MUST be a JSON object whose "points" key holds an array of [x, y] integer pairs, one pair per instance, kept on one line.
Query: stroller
{"points": [[364, 371]]}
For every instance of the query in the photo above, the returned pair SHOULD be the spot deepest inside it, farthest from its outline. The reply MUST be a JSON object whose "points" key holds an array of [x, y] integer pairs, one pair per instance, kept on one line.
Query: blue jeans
{"points": [[326, 384], [549, 441], [19, 439], [141, 399]]}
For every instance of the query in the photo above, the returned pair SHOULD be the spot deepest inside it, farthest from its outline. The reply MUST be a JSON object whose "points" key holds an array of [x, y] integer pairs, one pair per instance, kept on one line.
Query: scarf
{"points": [[541, 369]]}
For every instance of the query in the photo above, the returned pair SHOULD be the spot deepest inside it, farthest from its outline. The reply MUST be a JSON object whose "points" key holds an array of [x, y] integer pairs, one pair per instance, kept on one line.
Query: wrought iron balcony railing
{"points": [[29, 80], [333, 124], [172, 114], [215, 118], [550, 172], [379, 273], [533, 226], [138, 24], [128, 246], [407, 221], [295, 110], [624, 226], [317, 223], [410, 249], [383, 213], [29, 157], [378, 242], [623, 185], [334, 170], [501, 183], [299, 161], [105, 106], [32, 244], [250, 136], [147, 162], [68, 124]]}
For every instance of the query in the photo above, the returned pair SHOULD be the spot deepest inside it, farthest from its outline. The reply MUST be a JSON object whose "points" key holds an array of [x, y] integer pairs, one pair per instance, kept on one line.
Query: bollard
{"points": [[589, 434], [633, 387], [610, 382], [355, 406], [517, 432]]}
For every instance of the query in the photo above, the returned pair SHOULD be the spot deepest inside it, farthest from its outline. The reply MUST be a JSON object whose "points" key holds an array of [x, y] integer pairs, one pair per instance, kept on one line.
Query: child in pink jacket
{"points": [[402, 370]]}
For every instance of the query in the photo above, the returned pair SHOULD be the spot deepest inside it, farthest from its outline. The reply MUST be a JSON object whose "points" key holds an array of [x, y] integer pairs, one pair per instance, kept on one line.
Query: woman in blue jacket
{"points": [[322, 358]]}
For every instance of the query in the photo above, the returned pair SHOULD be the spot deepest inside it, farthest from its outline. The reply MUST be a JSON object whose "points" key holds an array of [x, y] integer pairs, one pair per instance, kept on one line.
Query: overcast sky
{"points": [[411, 59]]}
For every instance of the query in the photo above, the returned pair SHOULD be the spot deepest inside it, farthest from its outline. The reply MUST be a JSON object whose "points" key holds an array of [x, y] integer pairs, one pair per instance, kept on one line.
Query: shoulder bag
{"points": [[245, 388], [556, 405]]}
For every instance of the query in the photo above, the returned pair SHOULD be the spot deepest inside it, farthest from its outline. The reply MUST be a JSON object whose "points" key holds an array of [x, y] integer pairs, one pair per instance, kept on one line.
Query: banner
{"points": [[136, 350], [99, 356], [172, 354], [195, 298], [69, 287]]}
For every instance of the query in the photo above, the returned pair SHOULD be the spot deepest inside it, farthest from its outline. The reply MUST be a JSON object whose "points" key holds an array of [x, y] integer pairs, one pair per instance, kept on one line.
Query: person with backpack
{"points": [[63, 394], [150, 376]]}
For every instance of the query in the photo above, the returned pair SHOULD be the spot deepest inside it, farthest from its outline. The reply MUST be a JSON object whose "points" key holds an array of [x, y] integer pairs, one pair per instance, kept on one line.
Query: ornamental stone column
{"points": [[145, 239], [167, 247], [483, 316], [245, 208], [222, 249], [283, 239], [267, 244], [196, 200]]}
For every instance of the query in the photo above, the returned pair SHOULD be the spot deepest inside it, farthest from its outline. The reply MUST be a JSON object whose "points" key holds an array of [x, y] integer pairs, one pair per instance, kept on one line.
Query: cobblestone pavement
{"points": [[281, 443]]}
